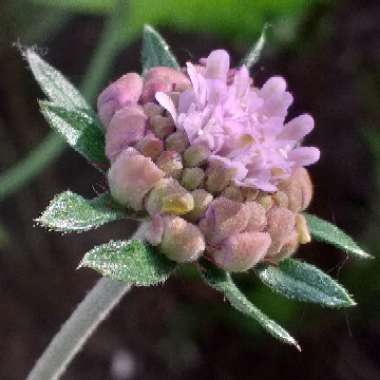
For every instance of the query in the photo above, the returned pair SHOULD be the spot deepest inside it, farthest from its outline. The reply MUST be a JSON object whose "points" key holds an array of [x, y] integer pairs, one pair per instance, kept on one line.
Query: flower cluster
{"points": [[212, 161]]}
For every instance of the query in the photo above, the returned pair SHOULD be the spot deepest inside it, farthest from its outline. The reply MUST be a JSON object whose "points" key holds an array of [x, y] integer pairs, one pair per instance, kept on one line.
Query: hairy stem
{"points": [[105, 295], [22, 172]]}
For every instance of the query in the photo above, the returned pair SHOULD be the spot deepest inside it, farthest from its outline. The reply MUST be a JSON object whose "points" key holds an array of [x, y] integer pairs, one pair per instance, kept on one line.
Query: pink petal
{"points": [[304, 156], [166, 102], [297, 128], [218, 64]]}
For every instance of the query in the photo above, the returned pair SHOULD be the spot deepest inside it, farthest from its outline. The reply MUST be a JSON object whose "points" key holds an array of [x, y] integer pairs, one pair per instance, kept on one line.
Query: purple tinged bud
{"points": [[124, 91], [168, 196], [150, 146], [196, 155], [302, 229], [181, 241], [125, 129], [257, 217], [170, 162], [241, 252], [131, 177], [288, 249], [177, 141], [281, 224], [224, 218], [202, 200], [299, 190], [163, 79], [162, 126], [192, 178]]}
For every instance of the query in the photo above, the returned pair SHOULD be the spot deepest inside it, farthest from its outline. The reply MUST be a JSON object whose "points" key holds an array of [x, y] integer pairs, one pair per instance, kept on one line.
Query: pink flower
{"points": [[243, 126]]}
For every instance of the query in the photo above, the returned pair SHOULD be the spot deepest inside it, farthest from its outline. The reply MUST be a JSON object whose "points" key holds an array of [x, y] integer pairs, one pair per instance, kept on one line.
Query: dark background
{"points": [[330, 54]]}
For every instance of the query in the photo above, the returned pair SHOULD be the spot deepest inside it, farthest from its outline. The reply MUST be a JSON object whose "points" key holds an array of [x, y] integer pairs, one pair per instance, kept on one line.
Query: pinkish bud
{"points": [[265, 200], [168, 196], [202, 200], [163, 79], [154, 229], [257, 217], [196, 155], [241, 252], [288, 249], [152, 109], [224, 218], [131, 176], [280, 199], [299, 190], [181, 241], [192, 178], [170, 162], [281, 224], [124, 91], [177, 141], [162, 126], [302, 229], [125, 129], [150, 146], [250, 194], [234, 193]]}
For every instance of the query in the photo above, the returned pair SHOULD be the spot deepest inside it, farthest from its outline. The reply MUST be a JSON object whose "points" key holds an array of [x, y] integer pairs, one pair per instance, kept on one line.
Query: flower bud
{"points": [[288, 249], [280, 199], [170, 162], [281, 224], [168, 196], [177, 141], [250, 194], [241, 252], [192, 178], [224, 218], [234, 193], [125, 129], [161, 126], [218, 178], [195, 155], [150, 146], [202, 199], [257, 217], [181, 241], [124, 91], [302, 229], [131, 176], [299, 190], [163, 79], [152, 109], [265, 200], [154, 229]]}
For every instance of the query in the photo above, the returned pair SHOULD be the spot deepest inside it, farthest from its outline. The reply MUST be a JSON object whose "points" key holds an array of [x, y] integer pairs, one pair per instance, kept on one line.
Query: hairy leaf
{"points": [[304, 282], [80, 128], [54, 85], [254, 53], [329, 233], [223, 282], [130, 261], [155, 51], [70, 212]]}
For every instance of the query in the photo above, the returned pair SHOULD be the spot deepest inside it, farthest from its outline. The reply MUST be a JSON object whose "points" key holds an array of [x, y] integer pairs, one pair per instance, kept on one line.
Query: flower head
{"points": [[211, 160]]}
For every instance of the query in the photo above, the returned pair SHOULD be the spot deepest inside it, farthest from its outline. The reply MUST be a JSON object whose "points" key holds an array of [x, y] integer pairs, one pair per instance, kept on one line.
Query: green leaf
{"points": [[80, 129], [304, 282], [223, 282], [133, 262], [155, 51], [54, 85], [329, 233], [70, 212], [254, 53]]}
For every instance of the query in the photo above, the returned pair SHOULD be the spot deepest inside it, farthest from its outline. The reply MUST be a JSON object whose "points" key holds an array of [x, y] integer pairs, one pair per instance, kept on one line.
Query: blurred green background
{"points": [[330, 54]]}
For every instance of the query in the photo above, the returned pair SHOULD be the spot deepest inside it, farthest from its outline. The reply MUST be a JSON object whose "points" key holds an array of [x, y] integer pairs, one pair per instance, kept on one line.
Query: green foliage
{"points": [[222, 282], [70, 212], [80, 129], [329, 233], [304, 282], [54, 85], [254, 53], [155, 51], [131, 261]]}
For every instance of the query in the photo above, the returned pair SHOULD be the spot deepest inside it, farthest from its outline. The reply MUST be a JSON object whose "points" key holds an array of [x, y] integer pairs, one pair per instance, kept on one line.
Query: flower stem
{"points": [[105, 295], [111, 41]]}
